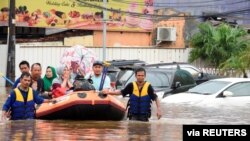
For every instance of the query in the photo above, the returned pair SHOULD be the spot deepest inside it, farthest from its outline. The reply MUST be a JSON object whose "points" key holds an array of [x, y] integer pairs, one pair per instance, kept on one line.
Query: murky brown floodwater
{"points": [[169, 128]]}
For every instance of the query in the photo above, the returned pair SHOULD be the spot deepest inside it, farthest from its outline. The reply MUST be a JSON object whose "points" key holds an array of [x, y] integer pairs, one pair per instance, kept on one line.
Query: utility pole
{"points": [[11, 42], [104, 30]]}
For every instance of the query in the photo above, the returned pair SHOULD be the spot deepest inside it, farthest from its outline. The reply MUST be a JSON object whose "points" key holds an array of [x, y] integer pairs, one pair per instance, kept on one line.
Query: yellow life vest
{"points": [[19, 96], [144, 91]]}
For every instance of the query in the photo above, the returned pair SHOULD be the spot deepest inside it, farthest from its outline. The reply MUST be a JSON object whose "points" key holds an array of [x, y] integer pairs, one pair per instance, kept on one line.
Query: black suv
{"points": [[164, 81], [197, 74], [123, 63], [114, 69]]}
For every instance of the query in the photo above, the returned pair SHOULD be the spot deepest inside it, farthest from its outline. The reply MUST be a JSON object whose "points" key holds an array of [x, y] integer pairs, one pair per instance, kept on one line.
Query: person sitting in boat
{"points": [[141, 94], [49, 76], [82, 84], [20, 104], [24, 66], [76, 70], [37, 83], [63, 81], [97, 76]]}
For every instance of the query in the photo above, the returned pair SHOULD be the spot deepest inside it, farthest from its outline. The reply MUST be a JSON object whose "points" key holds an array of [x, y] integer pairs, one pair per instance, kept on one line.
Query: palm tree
{"points": [[218, 46], [239, 61], [200, 42], [235, 63]]}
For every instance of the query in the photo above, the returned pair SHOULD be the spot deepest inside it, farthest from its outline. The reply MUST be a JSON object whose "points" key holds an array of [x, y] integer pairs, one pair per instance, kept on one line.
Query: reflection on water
{"points": [[87, 130], [169, 128]]}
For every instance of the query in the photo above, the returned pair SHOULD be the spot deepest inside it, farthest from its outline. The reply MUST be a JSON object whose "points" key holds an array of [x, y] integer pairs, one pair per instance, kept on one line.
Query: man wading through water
{"points": [[20, 104], [141, 95]]}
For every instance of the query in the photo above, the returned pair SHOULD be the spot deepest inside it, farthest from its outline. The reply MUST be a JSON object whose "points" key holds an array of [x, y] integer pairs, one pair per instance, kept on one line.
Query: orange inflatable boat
{"points": [[83, 105]]}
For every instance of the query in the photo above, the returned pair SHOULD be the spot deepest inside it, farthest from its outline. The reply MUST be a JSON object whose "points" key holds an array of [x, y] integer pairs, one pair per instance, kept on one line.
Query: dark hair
{"points": [[24, 63], [27, 74], [139, 70], [38, 64]]}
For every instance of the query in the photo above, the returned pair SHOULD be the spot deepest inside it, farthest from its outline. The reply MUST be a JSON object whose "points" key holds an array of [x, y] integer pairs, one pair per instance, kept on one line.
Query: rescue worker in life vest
{"points": [[141, 95], [21, 102]]}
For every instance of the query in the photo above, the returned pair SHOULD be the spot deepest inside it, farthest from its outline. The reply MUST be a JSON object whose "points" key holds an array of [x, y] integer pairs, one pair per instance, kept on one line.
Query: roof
{"points": [[118, 63], [164, 64], [161, 69], [173, 65], [230, 79]]}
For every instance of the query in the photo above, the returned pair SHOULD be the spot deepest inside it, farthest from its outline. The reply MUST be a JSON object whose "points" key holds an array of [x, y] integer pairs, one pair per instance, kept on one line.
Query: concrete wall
{"points": [[123, 39], [81, 40], [179, 24], [3, 66]]}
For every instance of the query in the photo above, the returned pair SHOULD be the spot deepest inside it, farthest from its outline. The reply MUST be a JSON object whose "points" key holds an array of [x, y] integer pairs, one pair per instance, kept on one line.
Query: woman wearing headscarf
{"points": [[63, 82], [49, 76]]}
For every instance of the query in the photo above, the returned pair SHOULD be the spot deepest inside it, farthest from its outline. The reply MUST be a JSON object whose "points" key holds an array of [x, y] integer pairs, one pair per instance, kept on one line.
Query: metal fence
{"points": [[3, 66], [50, 55]]}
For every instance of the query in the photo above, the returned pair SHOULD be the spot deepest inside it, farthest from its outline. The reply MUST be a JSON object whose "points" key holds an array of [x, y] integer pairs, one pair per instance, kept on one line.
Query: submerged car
{"points": [[122, 63], [221, 91], [116, 66], [197, 74], [164, 81]]}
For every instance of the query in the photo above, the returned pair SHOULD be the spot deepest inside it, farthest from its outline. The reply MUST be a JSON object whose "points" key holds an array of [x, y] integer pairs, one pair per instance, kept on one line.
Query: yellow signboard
{"points": [[122, 15]]}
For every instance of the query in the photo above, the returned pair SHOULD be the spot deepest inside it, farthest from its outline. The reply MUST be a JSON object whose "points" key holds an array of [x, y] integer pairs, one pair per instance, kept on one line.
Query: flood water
{"points": [[168, 128]]}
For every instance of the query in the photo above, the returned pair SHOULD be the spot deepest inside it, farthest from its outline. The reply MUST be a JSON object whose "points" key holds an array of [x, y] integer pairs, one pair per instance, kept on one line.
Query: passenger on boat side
{"points": [[63, 80], [141, 95], [24, 66], [20, 104], [76, 70], [47, 79], [37, 83], [97, 76]]}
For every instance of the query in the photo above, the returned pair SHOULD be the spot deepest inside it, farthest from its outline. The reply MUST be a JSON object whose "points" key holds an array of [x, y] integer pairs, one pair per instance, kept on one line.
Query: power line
{"points": [[203, 5], [116, 10], [198, 4], [126, 1], [153, 15], [159, 17], [235, 11], [190, 2]]}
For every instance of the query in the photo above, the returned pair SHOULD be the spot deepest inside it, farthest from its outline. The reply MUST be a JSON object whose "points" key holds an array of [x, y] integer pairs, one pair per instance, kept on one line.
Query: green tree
{"points": [[218, 46], [239, 62]]}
